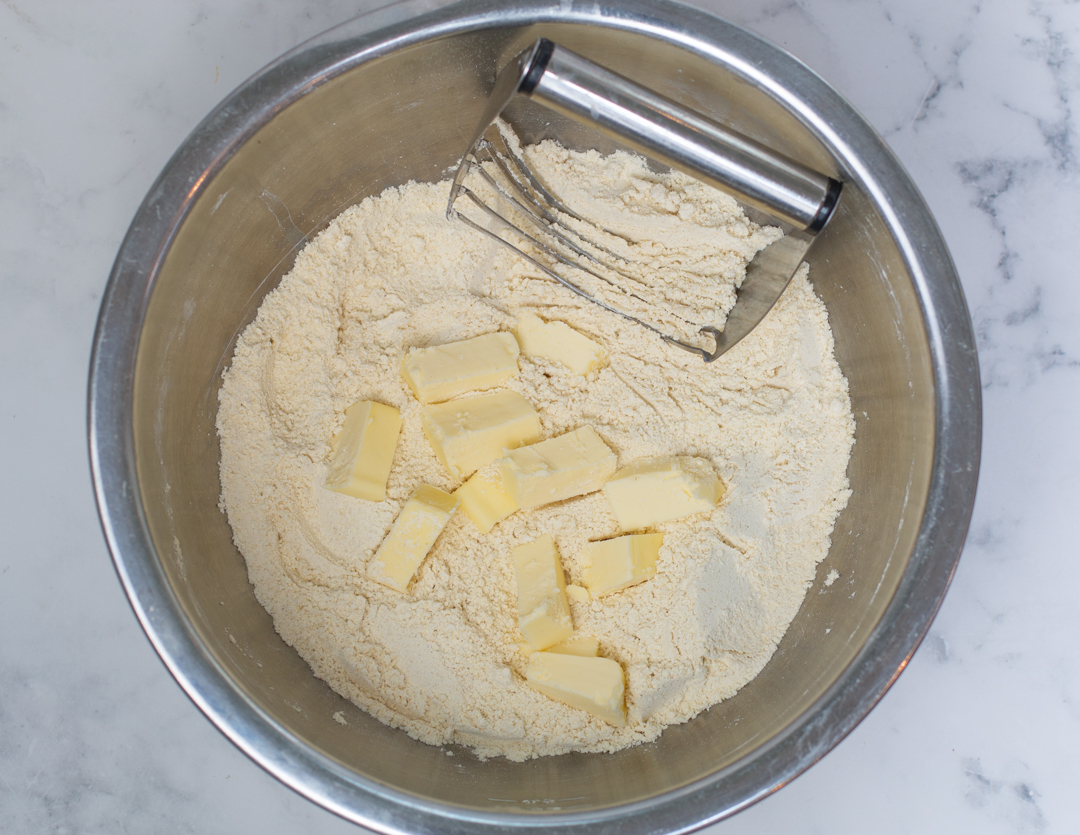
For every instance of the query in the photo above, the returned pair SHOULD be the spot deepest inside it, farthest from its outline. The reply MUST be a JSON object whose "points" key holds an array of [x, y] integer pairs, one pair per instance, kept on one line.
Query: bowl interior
{"points": [[406, 116]]}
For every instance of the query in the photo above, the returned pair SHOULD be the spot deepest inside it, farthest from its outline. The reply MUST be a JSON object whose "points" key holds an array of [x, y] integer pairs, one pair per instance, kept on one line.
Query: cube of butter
{"points": [[573, 464], [651, 492], [411, 536], [485, 501], [560, 342], [470, 432], [577, 645], [363, 450], [592, 684], [543, 612], [616, 564], [444, 371]]}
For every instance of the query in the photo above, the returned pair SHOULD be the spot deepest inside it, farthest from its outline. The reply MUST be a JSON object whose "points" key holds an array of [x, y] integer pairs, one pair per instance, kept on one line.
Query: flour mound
{"points": [[444, 661]]}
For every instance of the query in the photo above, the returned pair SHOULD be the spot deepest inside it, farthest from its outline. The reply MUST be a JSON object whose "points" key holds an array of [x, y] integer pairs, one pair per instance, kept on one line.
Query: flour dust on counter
{"points": [[445, 660]]}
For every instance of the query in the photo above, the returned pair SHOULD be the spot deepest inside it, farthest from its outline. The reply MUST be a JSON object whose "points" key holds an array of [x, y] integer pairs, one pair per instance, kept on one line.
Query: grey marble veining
{"points": [[977, 99]]}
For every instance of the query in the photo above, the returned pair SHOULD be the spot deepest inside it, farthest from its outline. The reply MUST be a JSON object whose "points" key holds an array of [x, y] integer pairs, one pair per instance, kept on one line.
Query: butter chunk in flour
{"points": [[444, 662]]}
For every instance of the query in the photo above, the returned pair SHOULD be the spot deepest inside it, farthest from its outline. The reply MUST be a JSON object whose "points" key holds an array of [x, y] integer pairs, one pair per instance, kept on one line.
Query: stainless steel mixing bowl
{"points": [[391, 97]]}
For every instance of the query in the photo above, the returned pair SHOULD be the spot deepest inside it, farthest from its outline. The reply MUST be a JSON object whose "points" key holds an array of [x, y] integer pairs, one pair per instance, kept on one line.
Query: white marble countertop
{"points": [[977, 98]]}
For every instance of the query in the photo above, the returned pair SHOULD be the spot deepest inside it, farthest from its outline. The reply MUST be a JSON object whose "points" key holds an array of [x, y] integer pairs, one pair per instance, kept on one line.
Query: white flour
{"points": [[443, 661]]}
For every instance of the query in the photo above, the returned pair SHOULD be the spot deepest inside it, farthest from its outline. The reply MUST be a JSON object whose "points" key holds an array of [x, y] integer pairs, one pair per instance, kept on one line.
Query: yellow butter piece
{"points": [[581, 595], [485, 501], [584, 645], [363, 450], [445, 371], [616, 564], [543, 612], [651, 492], [573, 464], [592, 684], [560, 342], [470, 432], [411, 536]]}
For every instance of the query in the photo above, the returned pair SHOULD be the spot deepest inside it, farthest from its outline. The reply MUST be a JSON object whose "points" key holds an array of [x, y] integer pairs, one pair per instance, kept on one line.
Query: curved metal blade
{"points": [[767, 276]]}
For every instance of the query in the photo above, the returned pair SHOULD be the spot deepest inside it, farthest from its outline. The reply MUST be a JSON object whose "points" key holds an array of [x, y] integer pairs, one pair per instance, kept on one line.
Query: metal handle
{"points": [[668, 132]]}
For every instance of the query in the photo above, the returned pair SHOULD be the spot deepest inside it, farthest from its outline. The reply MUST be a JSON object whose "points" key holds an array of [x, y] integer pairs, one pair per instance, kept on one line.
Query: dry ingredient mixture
{"points": [[444, 660]]}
